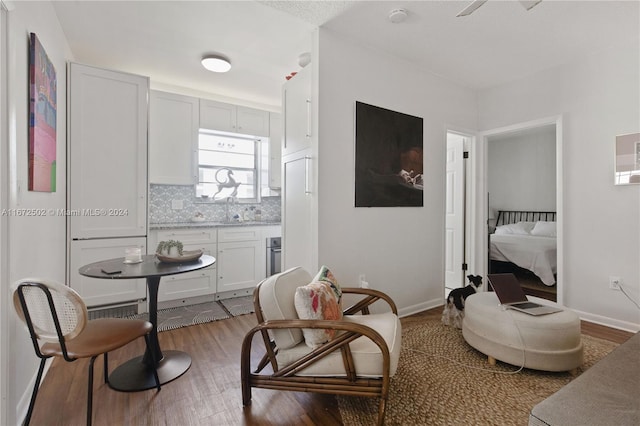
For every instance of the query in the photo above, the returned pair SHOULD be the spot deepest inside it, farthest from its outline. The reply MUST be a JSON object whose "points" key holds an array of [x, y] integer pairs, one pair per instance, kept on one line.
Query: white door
{"points": [[454, 223], [107, 175], [98, 291]]}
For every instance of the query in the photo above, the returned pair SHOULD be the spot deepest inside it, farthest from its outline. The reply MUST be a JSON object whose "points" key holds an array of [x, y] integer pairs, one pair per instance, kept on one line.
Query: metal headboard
{"points": [[506, 217]]}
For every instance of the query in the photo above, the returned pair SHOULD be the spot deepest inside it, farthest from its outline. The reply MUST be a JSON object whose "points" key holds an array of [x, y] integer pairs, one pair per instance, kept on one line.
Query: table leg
{"points": [[137, 373]]}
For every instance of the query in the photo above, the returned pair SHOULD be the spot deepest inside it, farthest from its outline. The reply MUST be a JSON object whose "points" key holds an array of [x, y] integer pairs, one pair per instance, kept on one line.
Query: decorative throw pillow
{"points": [[326, 275], [317, 300]]}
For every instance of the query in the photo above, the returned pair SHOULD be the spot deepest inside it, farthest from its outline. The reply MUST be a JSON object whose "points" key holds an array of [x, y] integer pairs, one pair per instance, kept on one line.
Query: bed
{"points": [[528, 240]]}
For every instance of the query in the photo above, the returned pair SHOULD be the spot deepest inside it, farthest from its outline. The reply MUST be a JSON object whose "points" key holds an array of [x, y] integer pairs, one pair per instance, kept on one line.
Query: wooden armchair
{"points": [[358, 361]]}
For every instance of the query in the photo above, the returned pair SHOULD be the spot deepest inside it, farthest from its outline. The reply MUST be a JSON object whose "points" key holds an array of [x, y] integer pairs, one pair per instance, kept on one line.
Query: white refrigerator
{"points": [[106, 178]]}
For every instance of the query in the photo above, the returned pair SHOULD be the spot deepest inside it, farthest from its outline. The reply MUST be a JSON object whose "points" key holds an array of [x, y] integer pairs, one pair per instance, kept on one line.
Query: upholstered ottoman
{"points": [[546, 342]]}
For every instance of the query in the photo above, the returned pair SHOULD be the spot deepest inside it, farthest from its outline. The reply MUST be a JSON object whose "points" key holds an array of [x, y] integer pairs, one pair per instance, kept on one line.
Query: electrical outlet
{"points": [[615, 283], [177, 204]]}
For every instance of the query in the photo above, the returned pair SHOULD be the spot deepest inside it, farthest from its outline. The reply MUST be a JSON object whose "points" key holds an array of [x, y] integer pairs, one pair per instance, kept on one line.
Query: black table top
{"points": [[149, 267]]}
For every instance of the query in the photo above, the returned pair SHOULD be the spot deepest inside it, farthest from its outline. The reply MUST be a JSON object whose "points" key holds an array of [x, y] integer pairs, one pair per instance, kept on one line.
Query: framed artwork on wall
{"points": [[389, 166], [42, 119], [627, 164]]}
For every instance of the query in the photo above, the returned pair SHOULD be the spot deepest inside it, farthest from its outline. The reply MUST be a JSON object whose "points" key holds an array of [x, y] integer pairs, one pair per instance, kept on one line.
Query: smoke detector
{"points": [[398, 15]]}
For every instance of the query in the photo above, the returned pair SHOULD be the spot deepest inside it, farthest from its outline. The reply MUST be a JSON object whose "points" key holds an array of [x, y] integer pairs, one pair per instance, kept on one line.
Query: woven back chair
{"points": [[358, 361], [58, 324]]}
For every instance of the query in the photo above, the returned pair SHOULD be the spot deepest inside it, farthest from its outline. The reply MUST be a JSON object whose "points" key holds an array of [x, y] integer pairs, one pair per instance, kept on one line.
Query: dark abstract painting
{"points": [[389, 168]]}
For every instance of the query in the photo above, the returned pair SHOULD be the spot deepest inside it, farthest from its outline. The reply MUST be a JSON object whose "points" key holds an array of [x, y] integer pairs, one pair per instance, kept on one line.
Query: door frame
{"points": [[469, 255], [479, 204]]}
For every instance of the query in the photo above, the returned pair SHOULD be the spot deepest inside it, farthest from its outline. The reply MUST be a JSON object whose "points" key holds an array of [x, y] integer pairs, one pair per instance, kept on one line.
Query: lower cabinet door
{"points": [[239, 265], [95, 291], [191, 284]]}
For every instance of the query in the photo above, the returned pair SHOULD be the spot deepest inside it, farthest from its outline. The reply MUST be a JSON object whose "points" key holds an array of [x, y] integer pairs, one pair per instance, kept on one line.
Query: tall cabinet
{"points": [[106, 177], [299, 171]]}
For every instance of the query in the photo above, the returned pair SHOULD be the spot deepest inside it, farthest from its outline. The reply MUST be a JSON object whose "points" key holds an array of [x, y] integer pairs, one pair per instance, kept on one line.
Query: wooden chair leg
{"points": [[34, 394]]}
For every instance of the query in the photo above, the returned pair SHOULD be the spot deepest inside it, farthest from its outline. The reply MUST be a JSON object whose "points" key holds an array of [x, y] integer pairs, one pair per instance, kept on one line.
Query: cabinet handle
{"points": [[307, 171], [308, 118]]}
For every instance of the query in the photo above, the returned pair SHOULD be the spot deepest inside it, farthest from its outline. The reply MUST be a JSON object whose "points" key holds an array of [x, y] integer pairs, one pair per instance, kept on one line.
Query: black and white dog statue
{"points": [[454, 306]]}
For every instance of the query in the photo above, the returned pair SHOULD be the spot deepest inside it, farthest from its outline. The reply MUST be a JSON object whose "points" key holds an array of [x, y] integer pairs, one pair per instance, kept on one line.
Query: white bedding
{"points": [[537, 254]]}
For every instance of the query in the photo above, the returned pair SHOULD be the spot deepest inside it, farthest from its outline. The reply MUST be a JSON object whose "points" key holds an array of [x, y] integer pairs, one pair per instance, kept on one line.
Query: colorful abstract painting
{"points": [[389, 167], [42, 119]]}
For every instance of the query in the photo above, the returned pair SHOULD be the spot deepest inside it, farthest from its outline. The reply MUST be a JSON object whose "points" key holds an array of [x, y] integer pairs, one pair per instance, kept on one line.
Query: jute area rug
{"points": [[441, 380], [184, 316]]}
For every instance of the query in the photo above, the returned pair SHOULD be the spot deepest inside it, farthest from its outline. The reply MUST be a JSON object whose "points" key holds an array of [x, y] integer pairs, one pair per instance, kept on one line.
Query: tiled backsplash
{"points": [[161, 197]]}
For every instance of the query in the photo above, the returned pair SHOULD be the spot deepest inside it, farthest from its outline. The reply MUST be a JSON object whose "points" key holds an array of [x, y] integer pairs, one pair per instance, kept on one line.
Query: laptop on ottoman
{"points": [[511, 295]]}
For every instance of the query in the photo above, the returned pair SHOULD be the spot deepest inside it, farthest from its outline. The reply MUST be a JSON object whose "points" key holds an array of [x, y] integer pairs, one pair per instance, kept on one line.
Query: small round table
{"points": [[137, 373]]}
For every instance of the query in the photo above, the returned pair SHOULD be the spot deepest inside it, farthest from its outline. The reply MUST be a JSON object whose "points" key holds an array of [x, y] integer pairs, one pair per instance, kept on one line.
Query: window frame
{"points": [[257, 167]]}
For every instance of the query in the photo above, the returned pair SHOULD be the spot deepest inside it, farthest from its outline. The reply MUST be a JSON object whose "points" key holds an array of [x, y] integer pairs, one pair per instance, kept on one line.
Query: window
{"points": [[228, 163]]}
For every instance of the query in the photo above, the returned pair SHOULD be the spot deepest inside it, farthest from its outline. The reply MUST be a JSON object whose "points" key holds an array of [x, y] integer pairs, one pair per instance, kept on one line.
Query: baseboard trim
{"points": [[23, 403], [609, 322], [420, 307]]}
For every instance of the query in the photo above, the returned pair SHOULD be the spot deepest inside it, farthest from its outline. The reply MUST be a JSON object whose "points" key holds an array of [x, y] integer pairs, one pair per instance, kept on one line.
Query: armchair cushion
{"points": [[366, 354], [276, 302]]}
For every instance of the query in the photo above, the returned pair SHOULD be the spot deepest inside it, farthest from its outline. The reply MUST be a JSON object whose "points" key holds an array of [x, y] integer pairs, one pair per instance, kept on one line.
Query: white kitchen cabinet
{"points": [[241, 260], [106, 177], [298, 109], [173, 138], [98, 292], [191, 284], [299, 171], [275, 150], [107, 170], [233, 118], [298, 215]]}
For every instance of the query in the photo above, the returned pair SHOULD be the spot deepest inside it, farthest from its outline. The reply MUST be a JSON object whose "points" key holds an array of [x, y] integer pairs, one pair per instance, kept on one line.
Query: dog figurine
{"points": [[454, 306]]}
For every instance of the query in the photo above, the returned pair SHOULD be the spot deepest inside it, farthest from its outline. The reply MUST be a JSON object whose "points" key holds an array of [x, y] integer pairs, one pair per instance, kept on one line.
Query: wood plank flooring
{"points": [[208, 394]]}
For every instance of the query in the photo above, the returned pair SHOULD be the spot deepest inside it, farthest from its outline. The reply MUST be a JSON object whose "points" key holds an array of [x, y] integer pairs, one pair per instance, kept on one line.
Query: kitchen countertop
{"points": [[178, 225]]}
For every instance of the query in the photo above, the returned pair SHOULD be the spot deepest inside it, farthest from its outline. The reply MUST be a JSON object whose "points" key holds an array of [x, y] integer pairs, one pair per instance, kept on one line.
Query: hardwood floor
{"points": [[208, 394]]}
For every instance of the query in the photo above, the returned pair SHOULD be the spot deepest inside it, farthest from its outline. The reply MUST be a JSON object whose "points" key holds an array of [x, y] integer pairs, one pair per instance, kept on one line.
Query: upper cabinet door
{"points": [[232, 118], [251, 121], [217, 116], [107, 170], [297, 112], [275, 150], [173, 138]]}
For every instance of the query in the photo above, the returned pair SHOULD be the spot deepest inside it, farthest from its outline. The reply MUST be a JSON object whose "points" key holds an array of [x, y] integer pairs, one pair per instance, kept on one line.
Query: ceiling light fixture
{"points": [[216, 63], [398, 15]]}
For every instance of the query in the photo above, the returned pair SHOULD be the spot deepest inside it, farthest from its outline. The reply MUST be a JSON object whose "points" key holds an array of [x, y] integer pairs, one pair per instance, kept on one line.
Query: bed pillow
{"points": [[544, 229], [519, 228], [317, 300]]}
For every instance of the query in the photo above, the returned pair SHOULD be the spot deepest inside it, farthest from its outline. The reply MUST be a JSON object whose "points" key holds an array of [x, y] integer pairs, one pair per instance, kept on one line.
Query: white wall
{"points": [[599, 98], [400, 249], [521, 170], [35, 245]]}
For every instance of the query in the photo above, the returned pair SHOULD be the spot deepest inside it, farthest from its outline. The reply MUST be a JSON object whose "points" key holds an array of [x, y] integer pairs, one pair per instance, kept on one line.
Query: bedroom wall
{"points": [[599, 98], [521, 170], [400, 249], [35, 245]]}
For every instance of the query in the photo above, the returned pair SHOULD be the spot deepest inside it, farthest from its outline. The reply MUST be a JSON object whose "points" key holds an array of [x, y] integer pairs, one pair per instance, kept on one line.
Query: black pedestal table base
{"points": [[134, 375]]}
